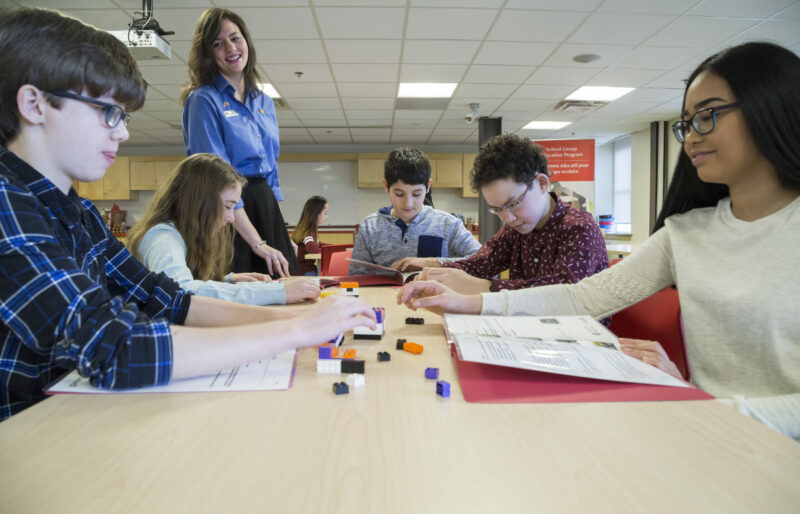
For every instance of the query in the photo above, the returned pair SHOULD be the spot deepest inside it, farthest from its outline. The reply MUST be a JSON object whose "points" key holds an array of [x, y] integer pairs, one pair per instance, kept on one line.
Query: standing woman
{"points": [[224, 113]]}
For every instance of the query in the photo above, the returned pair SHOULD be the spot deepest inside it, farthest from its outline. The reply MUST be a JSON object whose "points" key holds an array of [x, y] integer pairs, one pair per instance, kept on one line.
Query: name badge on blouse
{"points": [[231, 114]]}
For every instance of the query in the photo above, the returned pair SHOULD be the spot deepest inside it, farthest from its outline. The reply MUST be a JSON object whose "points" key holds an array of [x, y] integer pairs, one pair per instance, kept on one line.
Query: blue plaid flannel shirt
{"points": [[73, 297]]}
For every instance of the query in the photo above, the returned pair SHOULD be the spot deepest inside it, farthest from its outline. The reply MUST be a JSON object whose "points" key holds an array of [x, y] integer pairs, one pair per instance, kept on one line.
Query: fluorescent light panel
{"points": [[269, 90], [546, 125], [426, 89], [599, 93]]}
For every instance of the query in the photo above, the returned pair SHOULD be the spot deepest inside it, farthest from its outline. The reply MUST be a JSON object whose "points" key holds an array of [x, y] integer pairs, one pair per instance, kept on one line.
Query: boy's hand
{"points": [[438, 298], [650, 352], [333, 315], [415, 263], [299, 289], [458, 280], [251, 277]]}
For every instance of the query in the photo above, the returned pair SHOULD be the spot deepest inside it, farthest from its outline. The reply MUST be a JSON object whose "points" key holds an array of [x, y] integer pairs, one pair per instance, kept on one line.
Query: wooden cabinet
{"points": [[149, 172], [468, 163], [115, 184], [370, 169], [446, 170]]}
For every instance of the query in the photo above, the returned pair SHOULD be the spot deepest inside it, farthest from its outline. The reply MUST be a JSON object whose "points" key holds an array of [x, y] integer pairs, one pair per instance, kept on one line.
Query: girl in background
{"points": [[315, 213], [186, 233]]}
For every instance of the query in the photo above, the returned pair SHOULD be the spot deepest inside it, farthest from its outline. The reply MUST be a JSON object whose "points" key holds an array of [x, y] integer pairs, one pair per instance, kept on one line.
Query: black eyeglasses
{"points": [[704, 121], [113, 113]]}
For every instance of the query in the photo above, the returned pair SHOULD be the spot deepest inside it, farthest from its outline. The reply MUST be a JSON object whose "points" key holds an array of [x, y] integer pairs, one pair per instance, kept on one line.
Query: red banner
{"points": [[569, 159]]}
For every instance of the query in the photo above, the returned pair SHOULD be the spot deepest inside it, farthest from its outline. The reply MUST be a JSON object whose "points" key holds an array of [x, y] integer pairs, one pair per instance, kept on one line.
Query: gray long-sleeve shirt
{"points": [[383, 238]]}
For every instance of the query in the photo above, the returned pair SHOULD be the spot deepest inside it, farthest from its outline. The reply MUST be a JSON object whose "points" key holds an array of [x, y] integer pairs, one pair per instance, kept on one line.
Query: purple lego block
{"points": [[379, 313], [324, 352], [432, 373], [443, 388]]}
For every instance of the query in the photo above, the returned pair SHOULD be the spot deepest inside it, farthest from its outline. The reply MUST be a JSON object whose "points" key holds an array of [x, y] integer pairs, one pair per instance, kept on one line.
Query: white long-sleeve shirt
{"points": [[162, 249], [739, 288]]}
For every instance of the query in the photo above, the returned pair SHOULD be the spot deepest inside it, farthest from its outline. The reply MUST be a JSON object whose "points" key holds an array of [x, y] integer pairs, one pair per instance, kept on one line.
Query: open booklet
{"points": [[391, 276], [566, 345]]}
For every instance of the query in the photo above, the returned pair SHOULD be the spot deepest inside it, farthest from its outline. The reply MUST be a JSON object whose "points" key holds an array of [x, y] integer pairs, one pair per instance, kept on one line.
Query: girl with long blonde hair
{"points": [[186, 233]]}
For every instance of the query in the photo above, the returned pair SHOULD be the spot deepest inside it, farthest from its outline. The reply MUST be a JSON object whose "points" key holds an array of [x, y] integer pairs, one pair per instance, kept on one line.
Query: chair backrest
{"points": [[326, 251], [339, 264], [656, 318]]}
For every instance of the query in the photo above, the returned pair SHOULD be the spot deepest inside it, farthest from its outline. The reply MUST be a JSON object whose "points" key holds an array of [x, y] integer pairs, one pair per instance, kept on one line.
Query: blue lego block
{"points": [[340, 388], [443, 388], [324, 352], [432, 373]]}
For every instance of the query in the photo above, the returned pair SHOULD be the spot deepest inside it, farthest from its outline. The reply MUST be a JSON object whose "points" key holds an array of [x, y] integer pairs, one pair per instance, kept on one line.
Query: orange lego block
{"points": [[412, 347], [349, 354], [334, 353], [348, 285]]}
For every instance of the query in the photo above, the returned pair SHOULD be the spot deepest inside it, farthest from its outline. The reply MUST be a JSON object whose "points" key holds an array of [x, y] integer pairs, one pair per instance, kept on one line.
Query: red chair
{"points": [[326, 252], [657, 318], [340, 266]]}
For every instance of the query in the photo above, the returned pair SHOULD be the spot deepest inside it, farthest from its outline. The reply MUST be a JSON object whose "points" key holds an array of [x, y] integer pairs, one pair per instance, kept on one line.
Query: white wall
{"points": [[604, 179]]}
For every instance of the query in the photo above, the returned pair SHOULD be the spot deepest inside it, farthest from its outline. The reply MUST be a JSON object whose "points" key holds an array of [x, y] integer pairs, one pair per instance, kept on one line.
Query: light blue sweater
{"points": [[162, 249]]}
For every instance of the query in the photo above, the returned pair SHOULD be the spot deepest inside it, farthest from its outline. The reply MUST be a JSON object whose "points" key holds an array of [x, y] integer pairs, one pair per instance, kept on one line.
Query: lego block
{"points": [[380, 314], [415, 321], [400, 343], [412, 347], [432, 373], [368, 333], [326, 293], [443, 388], [348, 285], [355, 380], [349, 354], [340, 388], [329, 366], [324, 352], [384, 356], [337, 341], [352, 366]]}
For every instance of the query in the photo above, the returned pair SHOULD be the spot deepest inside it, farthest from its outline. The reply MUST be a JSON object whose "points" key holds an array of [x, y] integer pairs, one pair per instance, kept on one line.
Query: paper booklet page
{"points": [[265, 375]]}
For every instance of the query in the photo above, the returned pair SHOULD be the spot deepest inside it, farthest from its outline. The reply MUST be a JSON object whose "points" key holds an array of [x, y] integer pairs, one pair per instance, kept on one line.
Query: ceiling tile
{"points": [[609, 54], [698, 31], [496, 52], [449, 23], [792, 13], [484, 91], [563, 5], [638, 6], [422, 51], [106, 19], [360, 22], [285, 73], [363, 51], [782, 32], [461, 3], [556, 76], [670, 80], [544, 26], [741, 8], [652, 94], [487, 74], [384, 115], [366, 72], [655, 57], [292, 90], [318, 113], [619, 28], [432, 72], [279, 22], [367, 90], [619, 77], [158, 75], [284, 51], [368, 103], [543, 91], [345, 3]]}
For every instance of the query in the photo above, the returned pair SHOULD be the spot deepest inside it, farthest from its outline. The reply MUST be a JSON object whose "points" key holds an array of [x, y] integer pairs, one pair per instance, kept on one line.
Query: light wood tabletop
{"points": [[313, 256], [391, 446]]}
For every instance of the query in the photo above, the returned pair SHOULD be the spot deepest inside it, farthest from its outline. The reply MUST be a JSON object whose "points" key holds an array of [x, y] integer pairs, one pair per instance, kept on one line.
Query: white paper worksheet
{"points": [[264, 375], [551, 328]]}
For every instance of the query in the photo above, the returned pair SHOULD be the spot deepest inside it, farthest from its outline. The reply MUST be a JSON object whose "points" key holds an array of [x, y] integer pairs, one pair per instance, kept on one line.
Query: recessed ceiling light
{"points": [[599, 93], [426, 89], [546, 125], [586, 58], [269, 90]]}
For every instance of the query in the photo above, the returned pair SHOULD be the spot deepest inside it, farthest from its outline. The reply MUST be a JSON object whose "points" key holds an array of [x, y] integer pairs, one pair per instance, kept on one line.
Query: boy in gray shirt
{"points": [[409, 229]]}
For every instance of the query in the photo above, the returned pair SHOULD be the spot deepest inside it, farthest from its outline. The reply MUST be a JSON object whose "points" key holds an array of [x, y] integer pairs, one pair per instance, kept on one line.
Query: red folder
{"points": [[487, 383]]}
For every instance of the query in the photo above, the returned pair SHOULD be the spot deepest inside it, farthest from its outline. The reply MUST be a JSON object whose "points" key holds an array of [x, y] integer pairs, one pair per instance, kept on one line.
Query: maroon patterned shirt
{"points": [[568, 248]]}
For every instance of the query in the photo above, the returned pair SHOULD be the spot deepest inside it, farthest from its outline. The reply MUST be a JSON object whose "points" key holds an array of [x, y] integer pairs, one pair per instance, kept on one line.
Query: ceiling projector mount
{"points": [[145, 37]]}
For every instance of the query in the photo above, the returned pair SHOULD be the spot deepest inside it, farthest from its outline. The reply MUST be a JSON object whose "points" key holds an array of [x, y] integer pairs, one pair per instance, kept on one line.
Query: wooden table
{"points": [[392, 446]]}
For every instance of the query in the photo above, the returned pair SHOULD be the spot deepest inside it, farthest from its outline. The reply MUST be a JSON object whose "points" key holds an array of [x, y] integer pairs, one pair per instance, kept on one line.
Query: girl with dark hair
{"points": [[225, 114], [728, 240], [315, 213], [186, 234]]}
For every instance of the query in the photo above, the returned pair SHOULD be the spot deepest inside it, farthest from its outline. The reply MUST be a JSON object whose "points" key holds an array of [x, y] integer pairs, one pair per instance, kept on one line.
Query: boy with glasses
{"points": [[543, 241], [71, 295]]}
